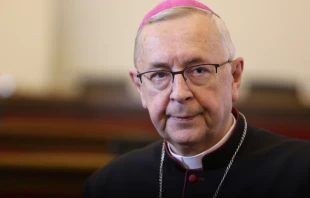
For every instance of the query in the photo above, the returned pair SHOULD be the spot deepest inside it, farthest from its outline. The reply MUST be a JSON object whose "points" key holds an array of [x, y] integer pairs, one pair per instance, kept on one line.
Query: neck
{"points": [[188, 150]]}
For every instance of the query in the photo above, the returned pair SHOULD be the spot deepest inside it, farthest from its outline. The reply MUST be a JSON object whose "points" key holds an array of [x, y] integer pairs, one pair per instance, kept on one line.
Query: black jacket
{"points": [[267, 165]]}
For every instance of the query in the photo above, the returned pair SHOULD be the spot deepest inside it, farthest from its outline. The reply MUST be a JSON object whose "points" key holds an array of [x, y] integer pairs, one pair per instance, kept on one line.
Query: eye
{"points": [[159, 75], [199, 70]]}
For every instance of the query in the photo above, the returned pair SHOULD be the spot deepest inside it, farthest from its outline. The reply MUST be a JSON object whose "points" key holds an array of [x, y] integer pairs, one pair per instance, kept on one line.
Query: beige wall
{"points": [[26, 43], [50, 44]]}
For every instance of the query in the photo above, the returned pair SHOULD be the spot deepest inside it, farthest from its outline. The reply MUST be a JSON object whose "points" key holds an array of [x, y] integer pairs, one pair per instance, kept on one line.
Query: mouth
{"points": [[183, 118]]}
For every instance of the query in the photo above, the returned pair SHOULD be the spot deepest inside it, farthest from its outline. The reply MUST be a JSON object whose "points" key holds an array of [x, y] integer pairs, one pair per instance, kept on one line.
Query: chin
{"points": [[187, 140]]}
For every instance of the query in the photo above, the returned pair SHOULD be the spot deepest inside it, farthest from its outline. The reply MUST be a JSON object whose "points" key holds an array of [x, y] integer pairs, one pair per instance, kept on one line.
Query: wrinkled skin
{"points": [[191, 118]]}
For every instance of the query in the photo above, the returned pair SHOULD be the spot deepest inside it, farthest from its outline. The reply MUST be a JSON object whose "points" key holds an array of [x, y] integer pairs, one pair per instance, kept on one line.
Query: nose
{"points": [[180, 90]]}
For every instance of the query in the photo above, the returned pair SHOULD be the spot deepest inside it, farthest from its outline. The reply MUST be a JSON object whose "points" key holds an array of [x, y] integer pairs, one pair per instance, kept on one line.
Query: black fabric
{"points": [[267, 165]]}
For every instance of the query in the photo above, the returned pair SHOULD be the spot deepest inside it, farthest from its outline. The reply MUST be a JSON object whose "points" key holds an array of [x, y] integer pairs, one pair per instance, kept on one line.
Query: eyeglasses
{"points": [[198, 75]]}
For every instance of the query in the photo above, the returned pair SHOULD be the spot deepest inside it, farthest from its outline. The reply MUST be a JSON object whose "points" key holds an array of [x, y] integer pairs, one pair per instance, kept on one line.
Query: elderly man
{"points": [[188, 77]]}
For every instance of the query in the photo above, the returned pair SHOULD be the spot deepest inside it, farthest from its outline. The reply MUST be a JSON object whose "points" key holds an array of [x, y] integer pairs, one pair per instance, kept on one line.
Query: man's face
{"points": [[186, 115]]}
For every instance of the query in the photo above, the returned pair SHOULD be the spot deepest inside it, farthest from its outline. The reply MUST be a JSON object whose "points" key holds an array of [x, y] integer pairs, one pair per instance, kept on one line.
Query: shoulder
{"points": [[265, 136], [138, 158], [123, 168], [260, 140]]}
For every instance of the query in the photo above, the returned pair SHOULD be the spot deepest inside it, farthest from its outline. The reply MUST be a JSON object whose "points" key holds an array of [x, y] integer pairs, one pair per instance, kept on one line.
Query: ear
{"points": [[236, 71], [133, 75]]}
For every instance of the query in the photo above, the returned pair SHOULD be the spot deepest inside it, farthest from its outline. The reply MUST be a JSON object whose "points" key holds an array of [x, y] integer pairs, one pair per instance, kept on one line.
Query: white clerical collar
{"points": [[195, 162]]}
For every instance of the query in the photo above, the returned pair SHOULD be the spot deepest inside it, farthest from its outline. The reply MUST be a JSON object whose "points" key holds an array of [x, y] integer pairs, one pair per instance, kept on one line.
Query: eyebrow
{"points": [[191, 61], [195, 60], [159, 65]]}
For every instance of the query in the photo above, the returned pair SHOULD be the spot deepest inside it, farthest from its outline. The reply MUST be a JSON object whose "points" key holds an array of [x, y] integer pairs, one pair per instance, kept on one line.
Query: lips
{"points": [[183, 113], [183, 117]]}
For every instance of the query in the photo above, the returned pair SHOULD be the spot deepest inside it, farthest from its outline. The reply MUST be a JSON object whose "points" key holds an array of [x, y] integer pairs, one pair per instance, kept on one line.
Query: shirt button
{"points": [[192, 178]]}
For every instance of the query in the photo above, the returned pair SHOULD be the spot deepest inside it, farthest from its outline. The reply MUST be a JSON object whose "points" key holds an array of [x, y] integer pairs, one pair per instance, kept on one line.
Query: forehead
{"points": [[180, 39]]}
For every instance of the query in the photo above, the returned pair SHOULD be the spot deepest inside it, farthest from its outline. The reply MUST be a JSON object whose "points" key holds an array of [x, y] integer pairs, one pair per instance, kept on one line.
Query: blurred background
{"points": [[67, 106]]}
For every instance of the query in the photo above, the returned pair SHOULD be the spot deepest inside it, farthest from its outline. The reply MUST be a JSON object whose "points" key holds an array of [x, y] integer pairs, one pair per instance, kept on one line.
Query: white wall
{"points": [[97, 38]]}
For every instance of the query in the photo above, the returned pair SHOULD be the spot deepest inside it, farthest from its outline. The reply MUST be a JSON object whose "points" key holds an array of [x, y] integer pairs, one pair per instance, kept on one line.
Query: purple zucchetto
{"points": [[167, 4]]}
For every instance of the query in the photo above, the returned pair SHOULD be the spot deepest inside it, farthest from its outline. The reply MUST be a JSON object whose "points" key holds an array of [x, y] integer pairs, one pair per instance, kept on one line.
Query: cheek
{"points": [[156, 105], [206, 96], [225, 94], [215, 98]]}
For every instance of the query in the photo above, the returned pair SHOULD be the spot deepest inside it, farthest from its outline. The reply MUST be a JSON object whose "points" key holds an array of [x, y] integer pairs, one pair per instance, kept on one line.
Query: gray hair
{"points": [[186, 10]]}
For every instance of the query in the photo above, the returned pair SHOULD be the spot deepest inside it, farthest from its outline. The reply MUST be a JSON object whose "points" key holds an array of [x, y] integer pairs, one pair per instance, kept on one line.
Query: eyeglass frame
{"points": [[182, 71]]}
